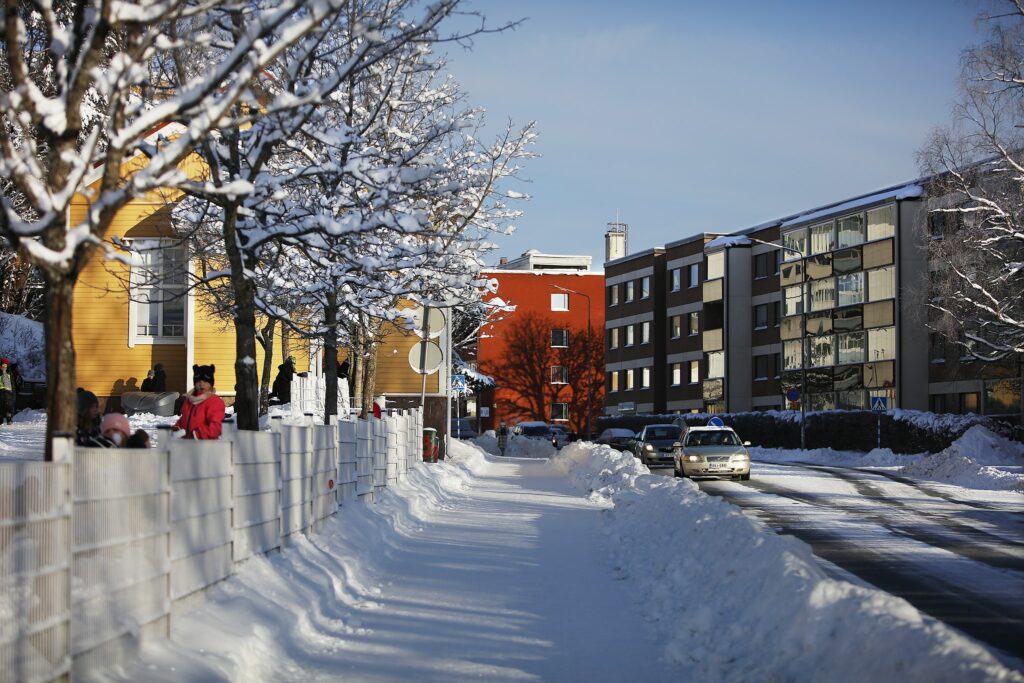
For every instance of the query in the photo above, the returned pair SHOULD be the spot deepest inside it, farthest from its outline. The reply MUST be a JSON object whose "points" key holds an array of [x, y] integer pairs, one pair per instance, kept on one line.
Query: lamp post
{"points": [[587, 358], [803, 337]]}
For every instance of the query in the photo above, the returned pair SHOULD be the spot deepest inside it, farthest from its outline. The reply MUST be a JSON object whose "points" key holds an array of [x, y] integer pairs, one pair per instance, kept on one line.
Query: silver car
{"points": [[712, 452]]}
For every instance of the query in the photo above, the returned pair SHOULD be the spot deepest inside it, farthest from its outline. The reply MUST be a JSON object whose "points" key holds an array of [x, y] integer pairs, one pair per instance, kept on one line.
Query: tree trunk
{"points": [[330, 357], [356, 368], [369, 374], [267, 341], [246, 383], [61, 400]]}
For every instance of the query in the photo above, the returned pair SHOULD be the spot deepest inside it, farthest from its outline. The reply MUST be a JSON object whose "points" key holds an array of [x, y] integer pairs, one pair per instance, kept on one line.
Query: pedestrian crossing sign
{"points": [[880, 403], [458, 383]]}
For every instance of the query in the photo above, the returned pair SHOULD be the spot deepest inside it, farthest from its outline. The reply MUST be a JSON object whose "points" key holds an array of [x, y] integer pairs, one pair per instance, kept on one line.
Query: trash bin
{"points": [[156, 402], [430, 444]]}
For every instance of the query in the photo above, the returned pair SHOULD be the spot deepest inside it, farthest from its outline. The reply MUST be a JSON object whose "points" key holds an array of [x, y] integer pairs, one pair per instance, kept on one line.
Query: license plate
{"points": [[718, 466]]}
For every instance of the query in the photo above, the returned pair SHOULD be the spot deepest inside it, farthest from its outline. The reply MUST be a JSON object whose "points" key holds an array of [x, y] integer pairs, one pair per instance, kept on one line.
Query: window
{"points": [[158, 278], [629, 335], [792, 273], [645, 378], [848, 319], [937, 228], [882, 343], [677, 374], [613, 295], [628, 379], [693, 326], [793, 301], [716, 364], [851, 231], [694, 275], [645, 287], [850, 288], [761, 316], [822, 238], [716, 265], [630, 290], [881, 222], [822, 294], [613, 381], [613, 338], [792, 354], [850, 400], [851, 348], [766, 264], [821, 351], [559, 338], [559, 374], [882, 283], [694, 371], [675, 327], [764, 367], [846, 260], [645, 332], [795, 242], [675, 279], [559, 412], [559, 302]]}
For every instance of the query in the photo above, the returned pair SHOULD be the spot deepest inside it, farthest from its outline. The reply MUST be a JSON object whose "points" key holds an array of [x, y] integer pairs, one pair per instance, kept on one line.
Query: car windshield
{"points": [[720, 437], [534, 430], [662, 433]]}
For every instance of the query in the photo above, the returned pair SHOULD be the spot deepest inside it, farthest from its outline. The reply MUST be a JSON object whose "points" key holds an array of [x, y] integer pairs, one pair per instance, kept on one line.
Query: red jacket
{"points": [[201, 420]]}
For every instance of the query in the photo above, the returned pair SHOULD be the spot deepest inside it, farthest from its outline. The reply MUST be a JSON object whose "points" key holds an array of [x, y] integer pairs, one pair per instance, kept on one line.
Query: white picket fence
{"points": [[101, 549], [309, 396]]}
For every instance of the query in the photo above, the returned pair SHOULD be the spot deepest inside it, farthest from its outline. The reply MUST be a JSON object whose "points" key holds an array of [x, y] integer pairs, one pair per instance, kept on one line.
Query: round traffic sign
{"points": [[793, 394], [430, 324], [425, 357], [716, 422]]}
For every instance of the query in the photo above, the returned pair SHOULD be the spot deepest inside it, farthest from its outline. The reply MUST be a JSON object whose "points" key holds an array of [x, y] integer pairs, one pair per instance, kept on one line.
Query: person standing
{"points": [[147, 384], [202, 413], [282, 387], [6, 392], [502, 437], [159, 378]]}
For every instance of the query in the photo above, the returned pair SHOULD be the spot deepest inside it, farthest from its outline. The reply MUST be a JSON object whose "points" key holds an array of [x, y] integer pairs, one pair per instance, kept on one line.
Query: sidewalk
{"points": [[504, 581]]}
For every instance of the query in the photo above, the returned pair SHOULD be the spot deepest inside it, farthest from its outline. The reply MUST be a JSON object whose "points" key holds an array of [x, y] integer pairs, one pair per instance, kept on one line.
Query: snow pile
{"points": [[517, 447], [979, 459], [735, 602], [947, 423], [21, 340]]}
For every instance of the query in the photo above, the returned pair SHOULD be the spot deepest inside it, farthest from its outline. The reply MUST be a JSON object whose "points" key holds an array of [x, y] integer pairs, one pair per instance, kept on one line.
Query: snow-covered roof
{"points": [[910, 191], [535, 260]]}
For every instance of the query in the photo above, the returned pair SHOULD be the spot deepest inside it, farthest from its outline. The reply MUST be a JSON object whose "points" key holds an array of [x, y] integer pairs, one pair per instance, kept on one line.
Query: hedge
{"points": [[902, 431]]}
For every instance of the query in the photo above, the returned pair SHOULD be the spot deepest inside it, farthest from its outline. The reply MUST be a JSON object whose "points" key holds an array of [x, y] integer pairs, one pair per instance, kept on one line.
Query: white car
{"points": [[711, 452]]}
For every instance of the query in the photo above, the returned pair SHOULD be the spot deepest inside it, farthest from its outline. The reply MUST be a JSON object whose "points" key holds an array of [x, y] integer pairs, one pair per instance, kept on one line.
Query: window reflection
{"points": [[851, 348], [882, 283], [881, 222], [821, 350], [851, 231], [882, 343], [850, 288]]}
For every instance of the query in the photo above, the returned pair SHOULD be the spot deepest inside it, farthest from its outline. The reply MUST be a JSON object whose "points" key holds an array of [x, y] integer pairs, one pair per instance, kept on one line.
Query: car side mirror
{"points": [[746, 443]]}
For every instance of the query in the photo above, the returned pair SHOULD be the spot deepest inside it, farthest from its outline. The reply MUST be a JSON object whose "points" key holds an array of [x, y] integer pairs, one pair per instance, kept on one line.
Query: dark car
{"points": [[462, 428], [655, 444], [617, 437]]}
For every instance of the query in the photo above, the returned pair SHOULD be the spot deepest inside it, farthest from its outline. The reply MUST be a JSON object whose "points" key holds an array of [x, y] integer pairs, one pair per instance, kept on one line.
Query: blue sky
{"points": [[692, 116]]}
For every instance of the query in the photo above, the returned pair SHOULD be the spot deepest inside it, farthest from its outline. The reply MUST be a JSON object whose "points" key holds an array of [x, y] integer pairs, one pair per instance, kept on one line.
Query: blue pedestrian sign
{"points": [[880, 404], [458, 383], [716, 422]]}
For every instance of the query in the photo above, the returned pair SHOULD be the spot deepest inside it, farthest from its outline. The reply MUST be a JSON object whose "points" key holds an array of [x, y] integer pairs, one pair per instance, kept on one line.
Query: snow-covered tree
{"points": [[80, 101], [976, 222]]}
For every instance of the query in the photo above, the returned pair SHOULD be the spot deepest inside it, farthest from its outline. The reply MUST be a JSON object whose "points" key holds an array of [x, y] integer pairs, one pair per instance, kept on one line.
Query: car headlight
{"points": [[648, 447], [742, 457], [692, 458]]}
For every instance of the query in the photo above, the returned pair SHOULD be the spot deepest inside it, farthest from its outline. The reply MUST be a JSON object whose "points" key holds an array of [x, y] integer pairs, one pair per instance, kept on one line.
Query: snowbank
{"points": [[735, 602], [518, 446]]}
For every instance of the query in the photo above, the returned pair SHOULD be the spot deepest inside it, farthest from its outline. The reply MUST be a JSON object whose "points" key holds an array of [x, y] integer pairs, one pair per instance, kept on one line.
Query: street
{"points": [[959, 560]]}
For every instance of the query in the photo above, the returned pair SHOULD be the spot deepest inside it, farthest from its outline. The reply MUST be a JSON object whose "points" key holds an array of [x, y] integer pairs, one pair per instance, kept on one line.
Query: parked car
{"points": [[712, 452], [654, 445], [617, 437], [554, 434], [462, 428]]}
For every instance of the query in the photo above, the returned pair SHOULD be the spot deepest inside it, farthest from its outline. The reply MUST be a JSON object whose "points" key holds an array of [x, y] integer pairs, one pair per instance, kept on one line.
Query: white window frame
{"points": [[134, 338], [645, 287], [559, 374], [629, 336], [563, 331], [645, 332], [564, 410], [557, 302]]}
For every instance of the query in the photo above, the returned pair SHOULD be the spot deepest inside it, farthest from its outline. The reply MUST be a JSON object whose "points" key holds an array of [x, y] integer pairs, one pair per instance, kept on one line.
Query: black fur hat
{"points": [[202, 372], [86, 400]]}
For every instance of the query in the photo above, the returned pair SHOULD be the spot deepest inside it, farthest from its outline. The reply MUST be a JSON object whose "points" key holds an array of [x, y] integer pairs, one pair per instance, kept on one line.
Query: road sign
{"points": [[716, 422], [459, 383], [424, 317], [425, 357], [793, 394], [880, 403]]}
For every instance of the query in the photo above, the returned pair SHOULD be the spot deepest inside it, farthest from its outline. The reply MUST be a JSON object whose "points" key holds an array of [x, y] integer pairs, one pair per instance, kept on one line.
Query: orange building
{"points": [[545, 363]]}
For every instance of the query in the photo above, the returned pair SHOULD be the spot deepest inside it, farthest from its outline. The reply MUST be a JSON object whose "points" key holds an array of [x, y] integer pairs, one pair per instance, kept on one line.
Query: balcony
{"points": [[713, 340], [713, 290]]}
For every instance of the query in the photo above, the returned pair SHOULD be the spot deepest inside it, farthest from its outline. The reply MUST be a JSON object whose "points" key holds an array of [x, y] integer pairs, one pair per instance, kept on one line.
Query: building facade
{"points": [[825, 307], [545, 356]]}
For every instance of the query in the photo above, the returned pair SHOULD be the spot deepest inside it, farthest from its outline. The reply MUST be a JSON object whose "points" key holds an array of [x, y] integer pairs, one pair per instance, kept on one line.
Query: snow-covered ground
{"points": [[21, 341], [575, 566]]}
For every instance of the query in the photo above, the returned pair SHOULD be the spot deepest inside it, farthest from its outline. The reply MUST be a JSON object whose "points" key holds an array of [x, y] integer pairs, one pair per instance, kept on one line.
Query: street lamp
{"points": [[589, 378], [803, 336]]}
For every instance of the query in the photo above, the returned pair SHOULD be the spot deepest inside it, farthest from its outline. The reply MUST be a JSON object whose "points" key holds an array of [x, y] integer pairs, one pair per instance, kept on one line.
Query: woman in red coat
{"points": [[202, 413]]}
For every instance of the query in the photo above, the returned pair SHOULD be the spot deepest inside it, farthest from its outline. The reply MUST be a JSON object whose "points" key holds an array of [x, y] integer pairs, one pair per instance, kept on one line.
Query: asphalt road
{"points": [[960, 562]]}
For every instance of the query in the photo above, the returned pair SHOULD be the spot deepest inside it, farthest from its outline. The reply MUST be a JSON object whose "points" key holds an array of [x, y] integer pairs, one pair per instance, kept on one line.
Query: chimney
{"points": [[503, 261], [615, 241]]}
